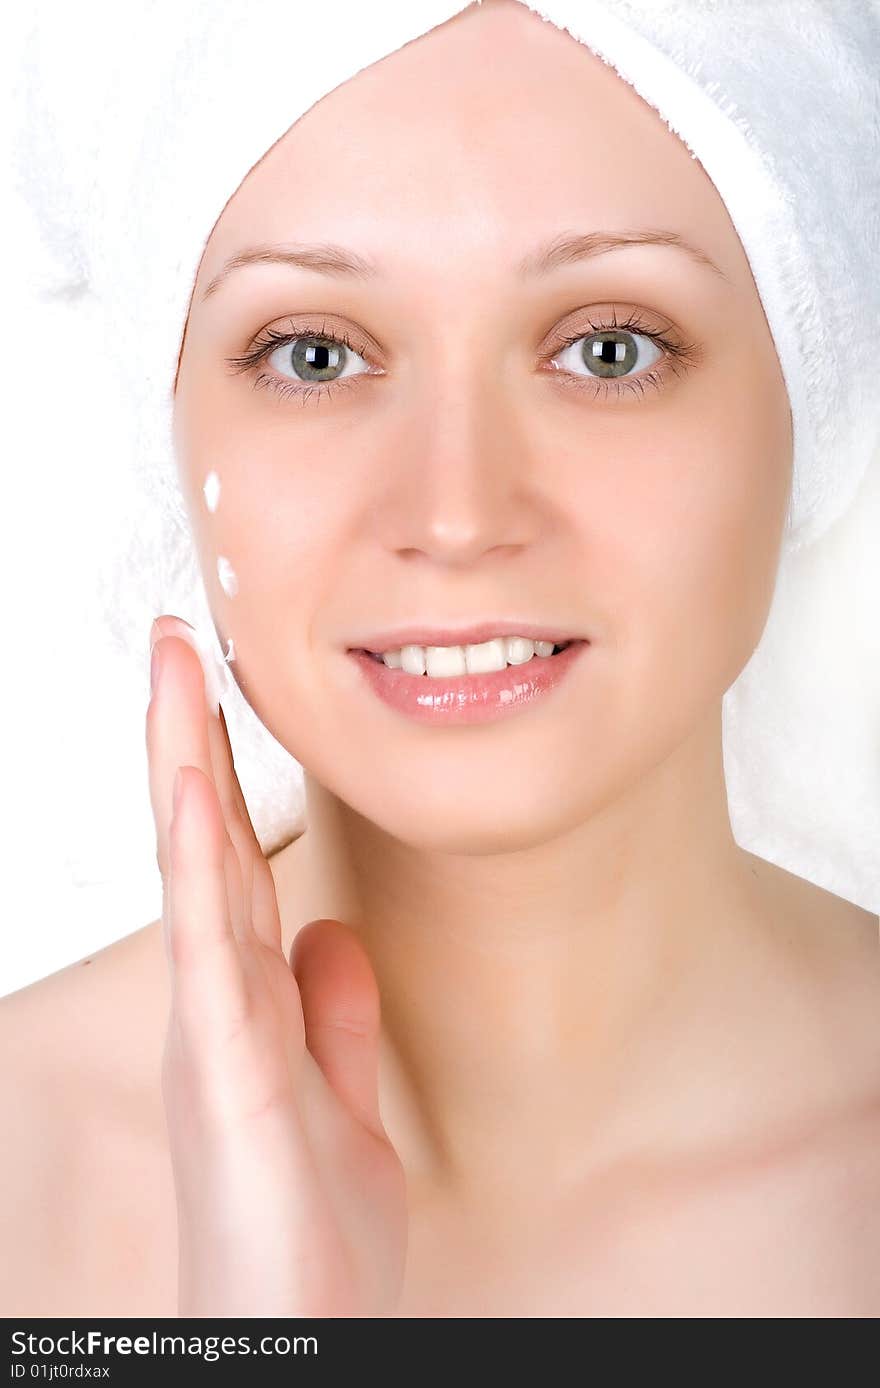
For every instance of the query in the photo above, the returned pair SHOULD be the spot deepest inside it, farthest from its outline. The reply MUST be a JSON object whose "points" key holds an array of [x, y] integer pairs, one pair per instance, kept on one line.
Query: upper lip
{"points": [[392, 640]]}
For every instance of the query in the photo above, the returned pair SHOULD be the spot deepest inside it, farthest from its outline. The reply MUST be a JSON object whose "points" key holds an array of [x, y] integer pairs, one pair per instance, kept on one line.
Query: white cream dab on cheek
{"points": [[212, 491], [230, 652], [226, 575]]}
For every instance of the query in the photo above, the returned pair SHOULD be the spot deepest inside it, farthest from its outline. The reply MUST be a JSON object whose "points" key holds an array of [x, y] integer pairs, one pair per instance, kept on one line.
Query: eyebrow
{"points": [[326, 258], [566, 249]]}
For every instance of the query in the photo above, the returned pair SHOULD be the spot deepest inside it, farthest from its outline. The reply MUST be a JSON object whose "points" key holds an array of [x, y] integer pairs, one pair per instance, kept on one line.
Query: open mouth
{"points": [[467, 696]]}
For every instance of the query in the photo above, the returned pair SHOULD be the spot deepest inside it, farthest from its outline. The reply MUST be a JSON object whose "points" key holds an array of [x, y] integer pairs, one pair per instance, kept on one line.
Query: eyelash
{"points": [[678, 355]]}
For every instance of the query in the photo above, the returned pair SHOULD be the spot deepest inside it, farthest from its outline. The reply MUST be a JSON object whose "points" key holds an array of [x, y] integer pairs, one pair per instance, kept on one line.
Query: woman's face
{"points": [[469, 463]]}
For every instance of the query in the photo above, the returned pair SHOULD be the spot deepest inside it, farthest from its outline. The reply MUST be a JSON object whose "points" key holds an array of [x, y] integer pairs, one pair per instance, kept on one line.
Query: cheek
{"points": [[256, 506], [687, 547], [262, 522], [263, 550]]}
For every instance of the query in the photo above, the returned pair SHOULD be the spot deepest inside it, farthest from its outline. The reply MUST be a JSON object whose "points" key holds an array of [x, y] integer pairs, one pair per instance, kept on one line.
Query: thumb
{"points": [[340, 1003]]}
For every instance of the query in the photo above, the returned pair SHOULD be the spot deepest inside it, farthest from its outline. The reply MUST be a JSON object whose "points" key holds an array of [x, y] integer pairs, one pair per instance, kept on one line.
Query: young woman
{"points": [[516, 1027]]}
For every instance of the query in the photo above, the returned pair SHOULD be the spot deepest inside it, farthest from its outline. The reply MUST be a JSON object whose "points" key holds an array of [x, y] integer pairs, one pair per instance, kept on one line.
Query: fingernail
{"points": [[193, 638], [155, 662]]}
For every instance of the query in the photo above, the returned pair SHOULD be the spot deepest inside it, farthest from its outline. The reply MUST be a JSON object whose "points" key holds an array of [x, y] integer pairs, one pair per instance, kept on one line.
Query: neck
{"points": [[538, 1001]]}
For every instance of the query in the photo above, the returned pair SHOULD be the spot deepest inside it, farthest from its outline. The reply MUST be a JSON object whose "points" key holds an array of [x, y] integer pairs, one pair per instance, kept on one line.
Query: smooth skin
{"points": [[624, 1066]]}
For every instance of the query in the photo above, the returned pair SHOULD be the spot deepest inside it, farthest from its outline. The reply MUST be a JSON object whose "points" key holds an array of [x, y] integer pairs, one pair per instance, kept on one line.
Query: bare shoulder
{"points": [[84, 1171], [839, 946], [831, 948], [837, 938], [808, 898], [100, 1019]]}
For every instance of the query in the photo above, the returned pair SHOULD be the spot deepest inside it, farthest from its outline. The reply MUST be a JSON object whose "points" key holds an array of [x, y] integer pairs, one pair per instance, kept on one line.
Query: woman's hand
{"points": [[291, 1200]]}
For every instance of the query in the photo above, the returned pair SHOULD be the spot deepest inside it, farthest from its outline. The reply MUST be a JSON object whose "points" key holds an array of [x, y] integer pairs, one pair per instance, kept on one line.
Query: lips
{"points": [[470, 698]]}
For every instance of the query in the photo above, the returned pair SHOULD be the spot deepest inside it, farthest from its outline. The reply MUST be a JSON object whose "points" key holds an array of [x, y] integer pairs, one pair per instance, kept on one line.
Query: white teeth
{"points": [[488, 655], [440, 661]]}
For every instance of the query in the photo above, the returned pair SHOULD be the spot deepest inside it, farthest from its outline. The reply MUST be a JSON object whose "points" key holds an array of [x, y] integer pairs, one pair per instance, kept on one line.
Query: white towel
{"points": [[137, 123]]}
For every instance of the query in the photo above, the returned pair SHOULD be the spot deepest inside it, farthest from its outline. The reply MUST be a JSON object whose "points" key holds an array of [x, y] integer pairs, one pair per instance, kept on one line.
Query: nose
{"points": [[462, 479]]}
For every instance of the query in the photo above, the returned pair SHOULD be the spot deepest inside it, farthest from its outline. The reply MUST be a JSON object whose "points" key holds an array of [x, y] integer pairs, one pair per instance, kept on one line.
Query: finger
{"points": [[209, 990], [176, 729], [258, 883], [340, 1003], [264, 906], [225, 779], [218, 981], [232, 791], [180, 731], [239, 826]]}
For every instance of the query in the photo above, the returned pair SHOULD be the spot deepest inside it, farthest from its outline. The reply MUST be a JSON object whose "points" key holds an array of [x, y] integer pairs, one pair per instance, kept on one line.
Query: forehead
{"points": [[478, 139]]}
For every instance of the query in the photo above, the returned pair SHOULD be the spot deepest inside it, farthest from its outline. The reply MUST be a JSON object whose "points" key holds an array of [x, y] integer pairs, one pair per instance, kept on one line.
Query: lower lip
{"points": [[456, 699]]}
